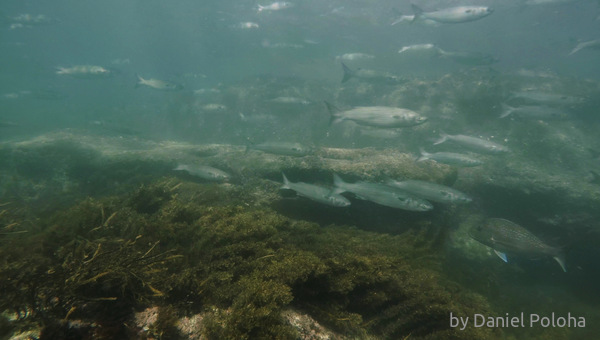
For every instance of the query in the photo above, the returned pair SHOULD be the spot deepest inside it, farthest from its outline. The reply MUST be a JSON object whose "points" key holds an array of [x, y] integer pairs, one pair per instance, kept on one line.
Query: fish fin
{"points": [[338, 181], [333, 112], [180, 167], [424, 155], [398, 14], [443, 138], [560, 258], [506, 110], [139, 80], [348, 73], [501, 255], [261, 8], [418, 12], [286, 182]]}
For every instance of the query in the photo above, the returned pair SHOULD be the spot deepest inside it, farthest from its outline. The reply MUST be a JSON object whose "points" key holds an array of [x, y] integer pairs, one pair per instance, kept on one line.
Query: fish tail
{"points": [[338, 181], [261, 8], [443, 138], [424, 155], [398, 14], [506, 110], [348, 73], [332, 112], [286, 182], [418, 12], [560, 258], [139, 80]]}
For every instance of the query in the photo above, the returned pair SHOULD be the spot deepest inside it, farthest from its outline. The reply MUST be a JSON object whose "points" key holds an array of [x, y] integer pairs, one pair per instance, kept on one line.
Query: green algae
{"points": [[164, 244]]}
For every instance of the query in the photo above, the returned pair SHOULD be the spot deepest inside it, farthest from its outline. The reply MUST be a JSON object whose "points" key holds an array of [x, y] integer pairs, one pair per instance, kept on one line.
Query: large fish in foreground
{"points": [[453, 15], [377, 116], [431, 191], [381, 194], [504, 236], [473, 143], [316, 193], [592, 44]]}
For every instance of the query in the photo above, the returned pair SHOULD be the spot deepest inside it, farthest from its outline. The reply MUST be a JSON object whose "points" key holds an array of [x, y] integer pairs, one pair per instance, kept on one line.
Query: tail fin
{"points": [[560, 258], [139, 80], [332, 112], [261, 8], [348, 73], [506, 110], [418, 12], [399, 15], [443, 138], [338, 185], [286, 182], [424, 155]]}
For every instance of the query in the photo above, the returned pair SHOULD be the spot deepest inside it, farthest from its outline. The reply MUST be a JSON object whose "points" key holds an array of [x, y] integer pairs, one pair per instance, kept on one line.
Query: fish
{"points": [[534, 112], [453, 15], [246, 25], [592, 44], [377, 116], [450, 158], [371, 76], [419, 48], [8, 124], [157, 84], [354, 56], [214, 107], [473, 143], [504, 236], [275, 6], [469, 58], [85, 71], [546, 98], [290, 100], [381, 194], [26, 19], [282, 148], [205, 172], [316, 193], [431, 191]]}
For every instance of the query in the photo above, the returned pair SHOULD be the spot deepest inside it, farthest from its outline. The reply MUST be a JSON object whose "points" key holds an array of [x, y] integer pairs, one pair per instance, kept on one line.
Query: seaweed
{"points": [[240, 265]]}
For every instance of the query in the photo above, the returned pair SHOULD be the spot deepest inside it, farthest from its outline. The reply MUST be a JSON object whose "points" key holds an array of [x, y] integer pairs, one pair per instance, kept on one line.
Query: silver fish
{"points": [[546, 98], [316, 193], [354, 56], [431, 191], [504, 236], [205, 172], [420, 48], [534, 112], [592, 44], [450, 158], [469, 58], [381, 194], [282, 148], [377, 116], [453, 15], [158, 84], [371, 76], [289, 100], [275, 6], [85, 71], [473, 143]]}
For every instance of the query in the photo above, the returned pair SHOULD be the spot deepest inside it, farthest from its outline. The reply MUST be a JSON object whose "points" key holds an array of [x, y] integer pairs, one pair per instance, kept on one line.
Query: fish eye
{"points": [[468, 11], [396, 117]]}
